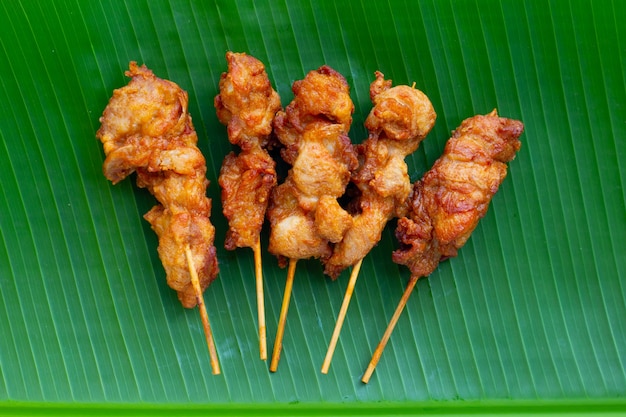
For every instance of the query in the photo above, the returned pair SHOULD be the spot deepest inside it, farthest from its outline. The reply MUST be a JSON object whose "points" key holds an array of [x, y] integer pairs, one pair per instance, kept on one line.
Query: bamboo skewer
{"points": [[215, 366], [278, 342], [392, 323], [260, 299], [342, 315]]}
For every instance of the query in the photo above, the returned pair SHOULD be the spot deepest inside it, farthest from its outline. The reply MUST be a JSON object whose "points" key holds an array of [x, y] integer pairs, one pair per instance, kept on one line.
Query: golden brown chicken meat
{"points": [[247, 105], [304, 213], [447, 203], [146, 128], [400, 119]]}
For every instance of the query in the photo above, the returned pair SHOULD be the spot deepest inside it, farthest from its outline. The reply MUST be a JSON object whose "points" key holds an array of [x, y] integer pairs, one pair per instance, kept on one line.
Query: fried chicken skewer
{"points": [[304, 214], [401, 118], [247, 104], [446, 205], [146, 128]]}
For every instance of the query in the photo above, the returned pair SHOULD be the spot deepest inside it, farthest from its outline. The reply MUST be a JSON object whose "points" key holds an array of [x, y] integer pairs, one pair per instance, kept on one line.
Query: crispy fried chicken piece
{"points": [[247, 105], [401, 118], [447, 203], [146, 129], [303, 212], [246, 180]]}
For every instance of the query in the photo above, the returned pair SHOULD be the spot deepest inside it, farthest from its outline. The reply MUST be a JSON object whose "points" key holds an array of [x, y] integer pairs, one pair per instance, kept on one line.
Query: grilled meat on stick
{"points": [[147, 129], [304, 214], [247, 104], [401, 118], [447, 203]]}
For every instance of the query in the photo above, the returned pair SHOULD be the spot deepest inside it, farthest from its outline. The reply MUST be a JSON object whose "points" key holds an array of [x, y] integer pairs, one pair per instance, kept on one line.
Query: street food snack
{"points": [[247, 104], [304, 213], [446, 205], [146, 129]]}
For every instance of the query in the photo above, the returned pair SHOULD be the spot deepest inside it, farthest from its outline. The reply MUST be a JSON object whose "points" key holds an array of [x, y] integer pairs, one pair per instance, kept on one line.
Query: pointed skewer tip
{"points": [[280, 332], [260, 298], [341, 316], [195, 282], [392, 324]]}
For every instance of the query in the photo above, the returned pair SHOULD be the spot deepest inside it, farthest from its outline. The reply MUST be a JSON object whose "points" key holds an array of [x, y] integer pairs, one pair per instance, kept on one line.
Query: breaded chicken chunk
{"points": [[246, 104], [146, 128], [447, 203], [401, 118], [304, 213]]}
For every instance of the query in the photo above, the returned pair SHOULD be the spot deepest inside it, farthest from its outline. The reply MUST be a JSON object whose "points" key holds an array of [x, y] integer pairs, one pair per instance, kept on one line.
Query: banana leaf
{"points": [[529, 318]]}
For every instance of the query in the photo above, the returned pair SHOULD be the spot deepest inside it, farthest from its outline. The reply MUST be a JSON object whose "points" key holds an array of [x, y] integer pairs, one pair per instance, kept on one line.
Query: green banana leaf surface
{"points": [[530, 317]]}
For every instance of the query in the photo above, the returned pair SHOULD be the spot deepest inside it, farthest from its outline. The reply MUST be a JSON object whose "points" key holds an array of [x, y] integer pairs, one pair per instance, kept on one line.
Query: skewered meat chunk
{"points": [[447, 203], [247, 104], [400, 119], [303, 212], [246, 181], [147, 129]]}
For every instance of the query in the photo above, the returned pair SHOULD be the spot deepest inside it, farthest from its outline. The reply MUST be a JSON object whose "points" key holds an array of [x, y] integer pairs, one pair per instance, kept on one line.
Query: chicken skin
{"points": [[400, 119], [304, 213], [146, 128], [447, 203], [247, 105]]}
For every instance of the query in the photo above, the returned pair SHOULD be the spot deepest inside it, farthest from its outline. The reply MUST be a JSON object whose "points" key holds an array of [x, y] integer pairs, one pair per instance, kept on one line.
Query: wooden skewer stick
{"points": [[260, 300], [392, 323], [278, 343], [342, 315], [215, 366]]}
